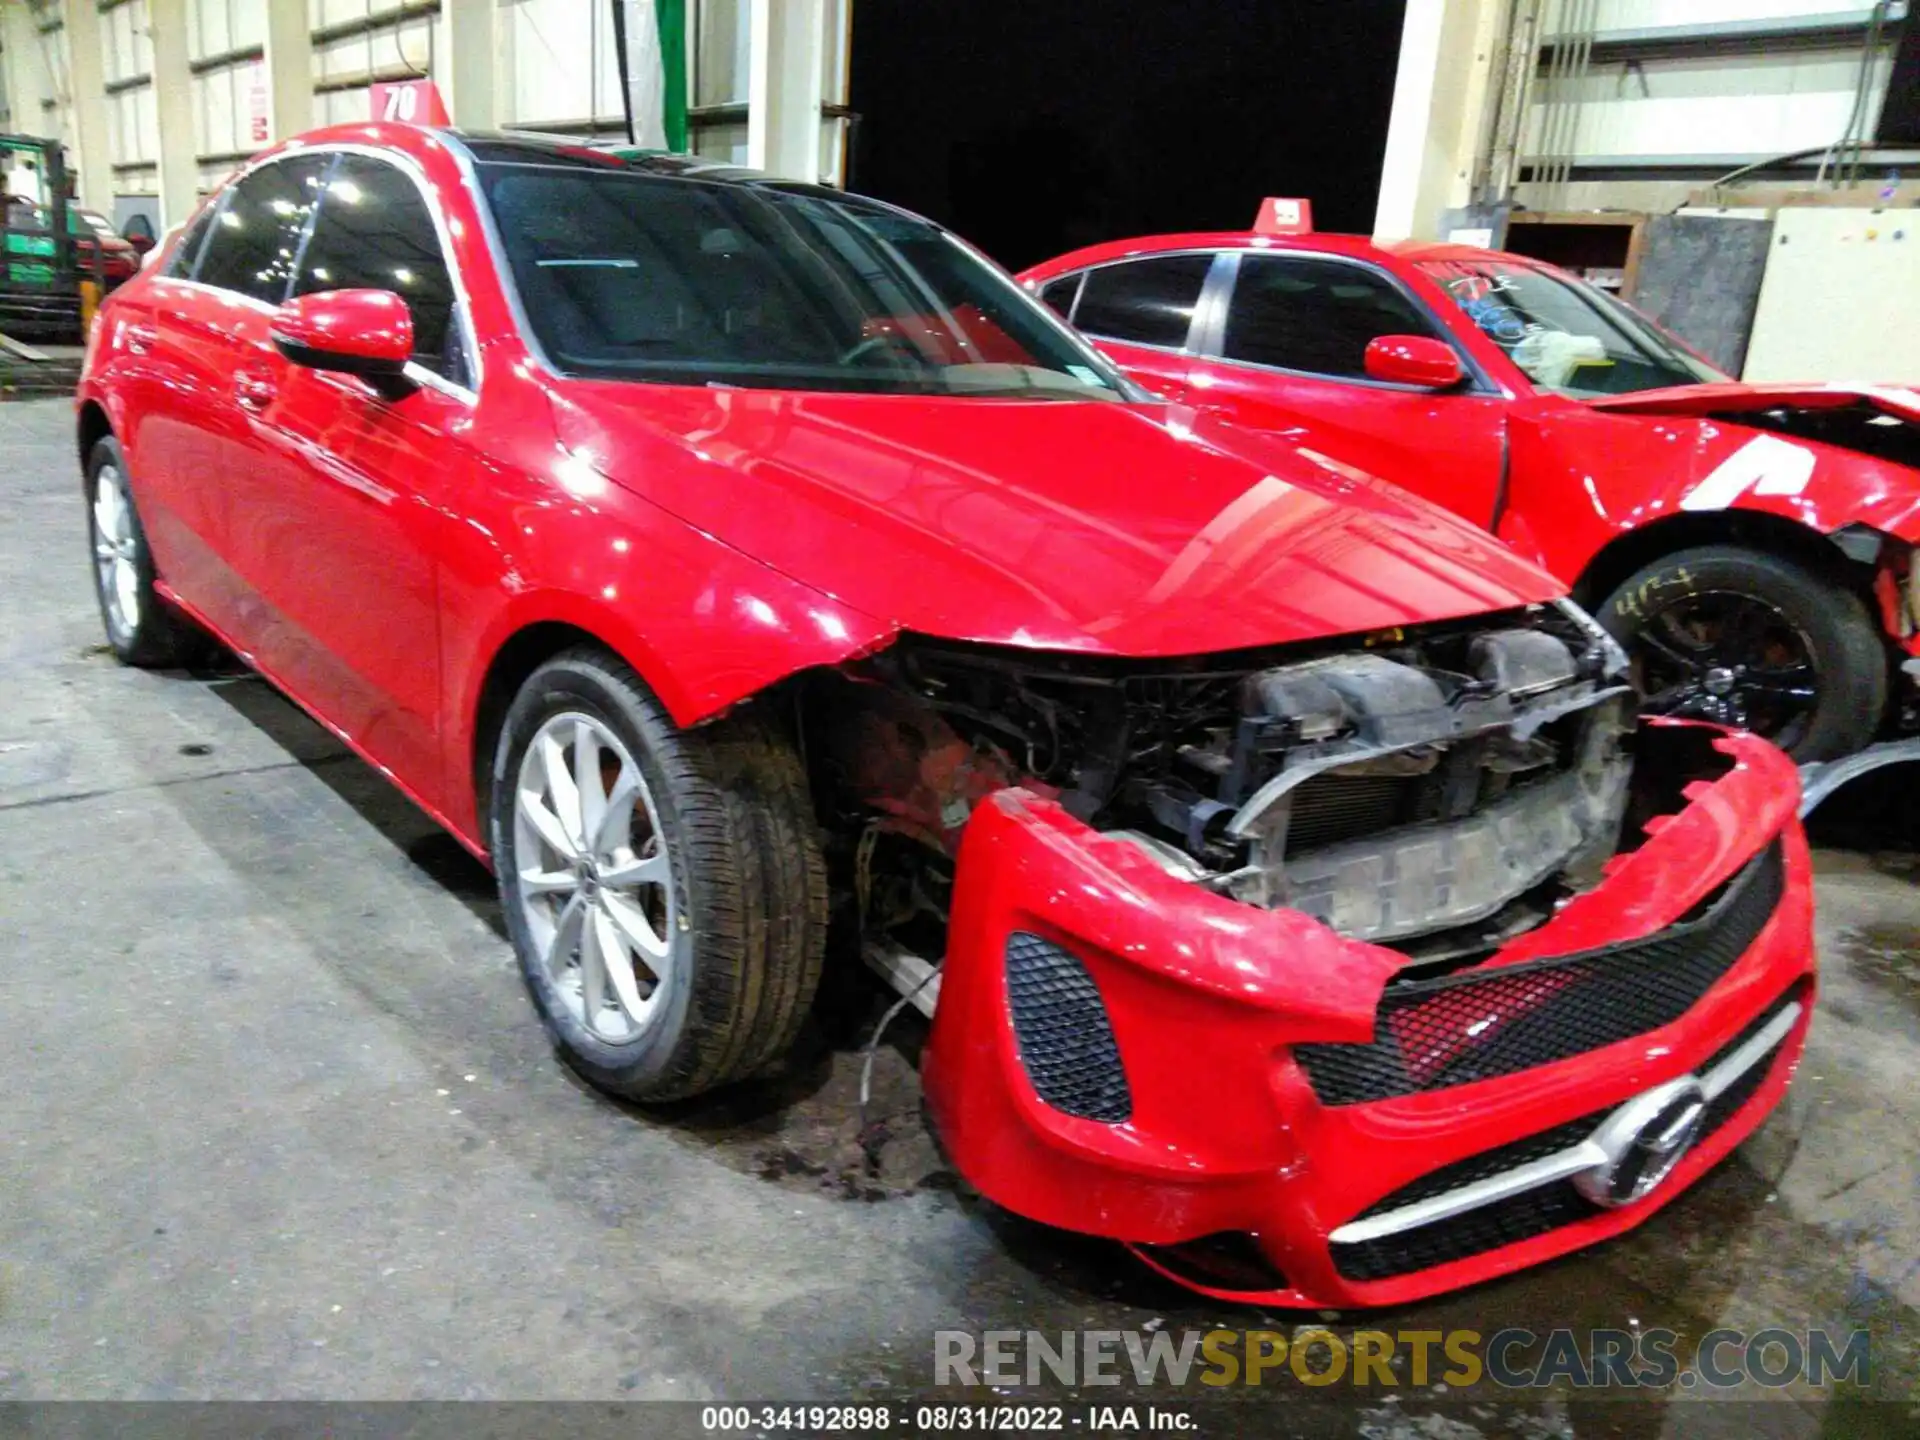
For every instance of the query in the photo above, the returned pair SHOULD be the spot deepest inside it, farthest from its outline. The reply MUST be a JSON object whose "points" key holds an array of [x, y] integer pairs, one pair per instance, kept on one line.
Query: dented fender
{"points": [[1584, 475]]}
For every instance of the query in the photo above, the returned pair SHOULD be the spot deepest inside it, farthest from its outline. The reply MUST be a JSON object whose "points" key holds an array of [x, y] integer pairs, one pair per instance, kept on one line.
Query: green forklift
{"points": [[51, 273]]}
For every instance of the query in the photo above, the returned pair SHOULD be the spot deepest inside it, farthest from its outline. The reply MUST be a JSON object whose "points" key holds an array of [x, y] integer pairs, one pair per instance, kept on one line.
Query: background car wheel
{"points": [[141, 627], [664, 888], [1746, 638]]}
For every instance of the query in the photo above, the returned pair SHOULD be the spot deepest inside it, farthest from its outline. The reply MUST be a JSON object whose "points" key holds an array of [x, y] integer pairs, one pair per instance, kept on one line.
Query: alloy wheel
{"points": [[1728, 657], [594, 879]]}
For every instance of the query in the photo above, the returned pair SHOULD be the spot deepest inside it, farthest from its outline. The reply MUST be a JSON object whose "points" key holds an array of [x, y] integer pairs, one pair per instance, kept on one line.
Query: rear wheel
{"points": [[664, 888], [1753, 640], [142, 628]]}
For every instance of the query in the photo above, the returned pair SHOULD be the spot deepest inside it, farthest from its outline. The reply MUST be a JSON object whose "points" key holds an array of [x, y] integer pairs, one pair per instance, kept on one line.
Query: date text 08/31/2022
{"points": [[933, 1419]]}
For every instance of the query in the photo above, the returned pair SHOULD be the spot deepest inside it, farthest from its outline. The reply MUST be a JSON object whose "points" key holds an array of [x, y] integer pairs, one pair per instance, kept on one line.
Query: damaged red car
{"points": [[761, 581], [1751, 545]]}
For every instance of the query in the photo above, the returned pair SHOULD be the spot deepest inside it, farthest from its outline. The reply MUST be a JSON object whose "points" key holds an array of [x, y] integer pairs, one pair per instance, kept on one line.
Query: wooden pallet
{"points": [[20, 350], [30, 374]]}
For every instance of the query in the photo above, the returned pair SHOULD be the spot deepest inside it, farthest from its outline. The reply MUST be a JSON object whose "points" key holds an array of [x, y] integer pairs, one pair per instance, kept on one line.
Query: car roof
{"points": [[513, 147], [1358, 247], [526, 147], [521, 147]]}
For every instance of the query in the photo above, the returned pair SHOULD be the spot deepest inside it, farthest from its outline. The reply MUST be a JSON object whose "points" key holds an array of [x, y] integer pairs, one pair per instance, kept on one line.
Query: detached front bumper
{"points": [[1239, 1091]]}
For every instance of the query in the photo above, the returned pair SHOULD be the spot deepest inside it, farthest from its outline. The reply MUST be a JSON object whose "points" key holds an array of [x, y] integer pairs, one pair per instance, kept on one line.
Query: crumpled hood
{"points": [[1082, 525], [1903, 402]]}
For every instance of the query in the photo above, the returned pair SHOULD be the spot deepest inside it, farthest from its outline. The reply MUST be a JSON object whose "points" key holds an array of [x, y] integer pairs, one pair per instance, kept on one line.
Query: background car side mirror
{"points": [[368, 333], [138, 232], [1414, 360]]}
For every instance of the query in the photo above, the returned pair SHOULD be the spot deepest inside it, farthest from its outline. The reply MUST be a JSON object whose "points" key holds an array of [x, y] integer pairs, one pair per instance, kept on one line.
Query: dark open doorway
{"points": [[1033, 126]]}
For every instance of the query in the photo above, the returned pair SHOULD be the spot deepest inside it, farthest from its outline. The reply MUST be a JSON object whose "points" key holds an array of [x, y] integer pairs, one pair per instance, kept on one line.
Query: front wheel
{"points": [[664, 888], [1753, 640], [141, 628]]}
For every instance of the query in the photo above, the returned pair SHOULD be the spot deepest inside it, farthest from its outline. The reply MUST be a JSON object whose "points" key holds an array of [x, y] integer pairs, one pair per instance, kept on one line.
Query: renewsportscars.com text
{"points": [[1512, 1358]]}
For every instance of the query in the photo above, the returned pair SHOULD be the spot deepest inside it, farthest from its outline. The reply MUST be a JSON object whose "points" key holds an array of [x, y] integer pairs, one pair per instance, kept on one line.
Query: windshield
{"points": [[687, 281], [1563, 333]]}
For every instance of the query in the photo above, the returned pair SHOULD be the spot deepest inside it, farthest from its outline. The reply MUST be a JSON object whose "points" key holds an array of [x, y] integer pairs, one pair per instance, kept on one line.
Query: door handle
{"points": [[253, 391], [139, 338]]}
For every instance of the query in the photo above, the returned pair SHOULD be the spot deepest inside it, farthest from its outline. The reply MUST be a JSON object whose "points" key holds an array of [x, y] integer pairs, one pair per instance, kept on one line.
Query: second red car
{"points": [[1752, 545]]}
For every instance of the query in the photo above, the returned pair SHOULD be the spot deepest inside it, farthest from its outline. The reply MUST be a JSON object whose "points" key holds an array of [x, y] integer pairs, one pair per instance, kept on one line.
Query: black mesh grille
{"points": [[1060, 1024], [1533, 1212], [1727, 1103], [1489, 1163], [1491, 1227], [1500, 1020]]}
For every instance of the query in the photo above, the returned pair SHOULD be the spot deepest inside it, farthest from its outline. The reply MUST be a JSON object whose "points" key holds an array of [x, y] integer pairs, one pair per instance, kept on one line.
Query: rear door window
{"points": [[1059, 295], [1146, 302], [254, 239]]}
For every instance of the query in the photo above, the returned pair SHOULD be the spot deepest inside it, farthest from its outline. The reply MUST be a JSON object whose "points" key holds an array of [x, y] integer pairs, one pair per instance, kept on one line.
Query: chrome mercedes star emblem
{"points": [[1642, 1141]]}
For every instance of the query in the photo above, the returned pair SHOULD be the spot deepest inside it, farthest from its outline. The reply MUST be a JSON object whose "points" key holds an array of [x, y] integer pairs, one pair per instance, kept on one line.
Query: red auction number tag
{"points": [[412, 102], [1282, 216]]}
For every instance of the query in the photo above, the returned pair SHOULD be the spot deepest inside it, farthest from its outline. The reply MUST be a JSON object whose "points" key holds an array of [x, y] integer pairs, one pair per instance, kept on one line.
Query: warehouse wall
{"points": [[133, 131], [535, 64], [356, 45], [33, 70], [1727, 109]]}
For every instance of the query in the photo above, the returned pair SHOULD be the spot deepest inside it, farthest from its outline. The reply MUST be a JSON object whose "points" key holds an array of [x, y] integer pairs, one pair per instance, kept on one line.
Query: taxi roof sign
{"points": [[1280, 215]]}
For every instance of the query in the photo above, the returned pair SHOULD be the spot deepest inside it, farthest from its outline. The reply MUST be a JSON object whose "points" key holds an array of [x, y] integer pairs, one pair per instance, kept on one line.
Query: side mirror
{"points": [[1414, 360], [368, 333]]}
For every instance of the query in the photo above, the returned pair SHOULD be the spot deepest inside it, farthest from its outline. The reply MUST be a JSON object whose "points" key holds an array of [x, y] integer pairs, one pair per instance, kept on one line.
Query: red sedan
{"points": [[119, 256], [1751, 544], [729, 562]]}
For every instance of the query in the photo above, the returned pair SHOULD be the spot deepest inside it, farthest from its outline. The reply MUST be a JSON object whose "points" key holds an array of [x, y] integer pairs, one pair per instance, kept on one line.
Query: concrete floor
{"points": [[277, 1121]]}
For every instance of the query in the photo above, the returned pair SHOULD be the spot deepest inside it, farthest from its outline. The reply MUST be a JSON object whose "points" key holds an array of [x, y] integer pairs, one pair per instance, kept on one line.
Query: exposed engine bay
{"points": [[1863, 427], [1436, 788]]}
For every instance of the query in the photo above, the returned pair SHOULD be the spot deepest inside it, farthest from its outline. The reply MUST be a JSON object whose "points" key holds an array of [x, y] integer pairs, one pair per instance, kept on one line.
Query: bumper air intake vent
{"points": [[1061, 1026]]}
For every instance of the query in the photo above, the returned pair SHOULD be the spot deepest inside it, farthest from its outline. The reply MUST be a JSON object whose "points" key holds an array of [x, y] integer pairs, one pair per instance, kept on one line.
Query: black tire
{"points": [[154, 635], [748, 881], [1771, 608]]}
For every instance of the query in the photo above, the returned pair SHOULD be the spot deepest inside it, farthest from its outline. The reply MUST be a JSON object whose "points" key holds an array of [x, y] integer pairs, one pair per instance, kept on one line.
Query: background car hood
{"points": [[1083, 525], [1731, 399]]}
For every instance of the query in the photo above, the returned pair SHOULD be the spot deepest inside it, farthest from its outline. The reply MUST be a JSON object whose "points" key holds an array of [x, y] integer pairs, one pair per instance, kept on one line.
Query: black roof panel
{"points": [[513, 147]]}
